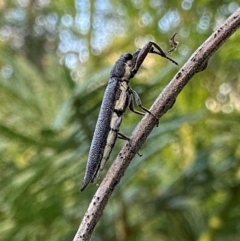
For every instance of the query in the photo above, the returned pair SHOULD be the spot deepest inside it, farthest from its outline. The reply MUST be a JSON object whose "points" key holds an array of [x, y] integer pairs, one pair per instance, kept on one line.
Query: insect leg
{"points": [[135, 98], [173, 43], [126, 138], [140, 55], [163, 54], [123, 137]]}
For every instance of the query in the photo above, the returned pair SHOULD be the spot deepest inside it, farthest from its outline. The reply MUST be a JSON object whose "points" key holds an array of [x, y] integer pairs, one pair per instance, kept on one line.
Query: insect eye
{"points": [[128, 56]]}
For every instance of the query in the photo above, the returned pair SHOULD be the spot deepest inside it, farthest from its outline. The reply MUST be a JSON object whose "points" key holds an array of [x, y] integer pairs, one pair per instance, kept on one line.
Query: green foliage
{"points": [[55, 59]]}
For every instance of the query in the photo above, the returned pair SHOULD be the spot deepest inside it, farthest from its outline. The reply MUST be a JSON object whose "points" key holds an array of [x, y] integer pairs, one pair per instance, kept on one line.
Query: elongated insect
{"points": [[117, 98]]}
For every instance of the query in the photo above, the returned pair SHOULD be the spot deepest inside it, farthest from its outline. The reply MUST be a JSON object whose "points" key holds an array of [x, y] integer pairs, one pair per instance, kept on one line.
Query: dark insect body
{"points": [[117, 99]]}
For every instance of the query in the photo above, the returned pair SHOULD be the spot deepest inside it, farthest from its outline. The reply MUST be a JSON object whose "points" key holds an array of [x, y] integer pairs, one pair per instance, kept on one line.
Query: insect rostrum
{"points": [[117, 99]]}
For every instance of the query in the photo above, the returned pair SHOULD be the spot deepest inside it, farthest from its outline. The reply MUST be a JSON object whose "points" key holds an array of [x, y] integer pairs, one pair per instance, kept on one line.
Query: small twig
{"points": [[197, 62]]}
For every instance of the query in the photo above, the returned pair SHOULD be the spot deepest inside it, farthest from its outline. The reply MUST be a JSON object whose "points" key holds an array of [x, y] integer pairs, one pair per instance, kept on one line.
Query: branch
{"points": [[197, 62]]}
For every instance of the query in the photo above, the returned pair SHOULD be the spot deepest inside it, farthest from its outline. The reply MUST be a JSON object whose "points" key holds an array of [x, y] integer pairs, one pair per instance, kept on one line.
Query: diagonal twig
{"points": [[197, 62]]}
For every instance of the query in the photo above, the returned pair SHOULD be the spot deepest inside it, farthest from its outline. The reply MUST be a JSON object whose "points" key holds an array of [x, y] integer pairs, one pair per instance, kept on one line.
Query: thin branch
{"points": [[197, 62]]}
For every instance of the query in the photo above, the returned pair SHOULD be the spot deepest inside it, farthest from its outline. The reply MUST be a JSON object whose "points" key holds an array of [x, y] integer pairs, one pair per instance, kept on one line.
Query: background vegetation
{"points": [[55, 59]]}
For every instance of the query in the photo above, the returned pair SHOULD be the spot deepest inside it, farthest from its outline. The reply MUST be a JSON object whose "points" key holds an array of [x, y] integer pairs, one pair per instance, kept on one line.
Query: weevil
{"points": [[117, 99]]}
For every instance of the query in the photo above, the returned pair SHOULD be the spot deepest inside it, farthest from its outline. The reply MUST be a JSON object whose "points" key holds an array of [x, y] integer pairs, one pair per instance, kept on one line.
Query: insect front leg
{"points": [[151, 47], [173, 43]]}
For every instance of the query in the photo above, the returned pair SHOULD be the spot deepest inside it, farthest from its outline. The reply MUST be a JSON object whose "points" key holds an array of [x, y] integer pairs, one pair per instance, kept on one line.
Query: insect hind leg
{"points": [[126, 138], [123, 137]]}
